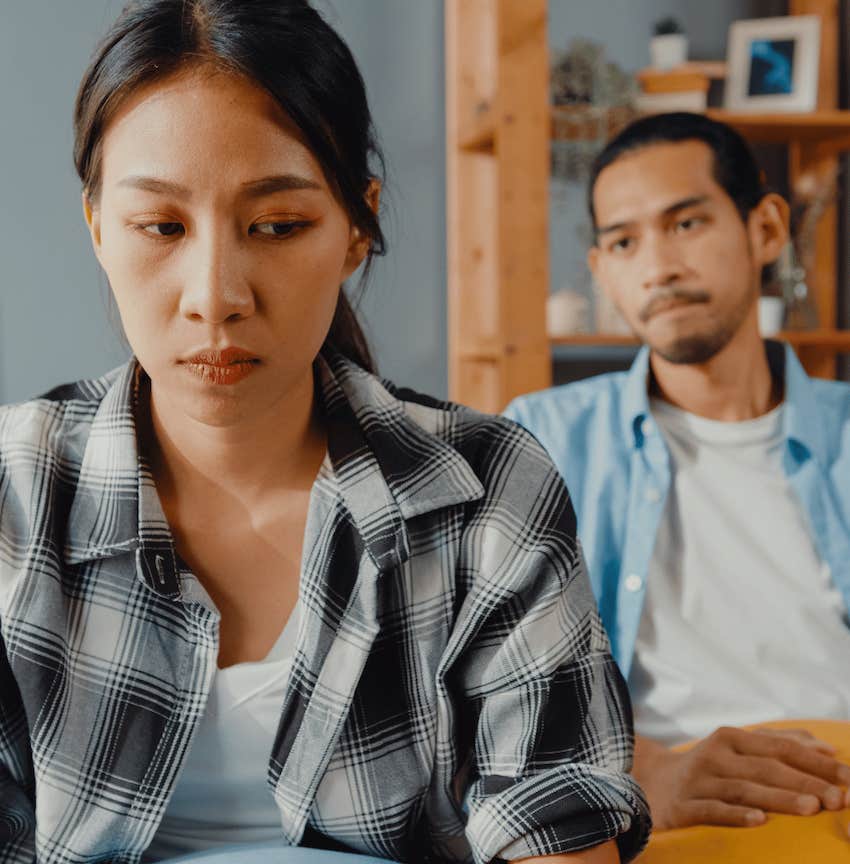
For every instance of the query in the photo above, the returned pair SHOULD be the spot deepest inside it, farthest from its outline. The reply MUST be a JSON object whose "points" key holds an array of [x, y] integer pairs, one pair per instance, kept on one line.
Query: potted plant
{"points": [[669, 46]]}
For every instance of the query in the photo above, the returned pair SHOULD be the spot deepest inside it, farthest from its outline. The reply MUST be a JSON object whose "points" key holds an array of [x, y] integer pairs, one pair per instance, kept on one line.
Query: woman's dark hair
{"points": [[735, 167], [284, 46]]}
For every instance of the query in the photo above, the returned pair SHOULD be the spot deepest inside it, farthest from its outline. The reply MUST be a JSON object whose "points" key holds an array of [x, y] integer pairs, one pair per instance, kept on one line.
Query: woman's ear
{"points": [[768, 228], [360, 243], [373, 195], [92, 216]]}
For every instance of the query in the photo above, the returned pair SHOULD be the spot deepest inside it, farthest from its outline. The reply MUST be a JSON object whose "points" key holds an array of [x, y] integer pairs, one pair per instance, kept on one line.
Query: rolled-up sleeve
{"points": [[550, 720], [17, 810]]}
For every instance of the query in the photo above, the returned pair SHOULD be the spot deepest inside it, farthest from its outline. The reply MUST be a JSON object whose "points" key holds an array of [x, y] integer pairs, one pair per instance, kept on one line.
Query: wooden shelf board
{"points": [[830, 130], [589, 339], [828, 340], [832, 340]]}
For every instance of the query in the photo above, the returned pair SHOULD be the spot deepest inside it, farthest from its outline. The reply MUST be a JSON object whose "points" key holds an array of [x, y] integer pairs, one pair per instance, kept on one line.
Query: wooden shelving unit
{"points": [[499, 127], [832, 340], [498, 188]]}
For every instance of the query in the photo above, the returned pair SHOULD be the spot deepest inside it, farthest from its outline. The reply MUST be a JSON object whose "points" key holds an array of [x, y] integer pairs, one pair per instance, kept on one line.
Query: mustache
{"points": [[668, 296]]}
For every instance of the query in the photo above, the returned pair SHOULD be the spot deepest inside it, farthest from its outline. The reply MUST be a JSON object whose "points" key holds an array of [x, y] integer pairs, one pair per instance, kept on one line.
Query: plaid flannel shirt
{"points": [[452, 696]]}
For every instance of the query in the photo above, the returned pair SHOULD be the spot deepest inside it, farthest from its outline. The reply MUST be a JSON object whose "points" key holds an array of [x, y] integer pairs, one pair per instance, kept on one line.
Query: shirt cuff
{"points": [[568, 808]]}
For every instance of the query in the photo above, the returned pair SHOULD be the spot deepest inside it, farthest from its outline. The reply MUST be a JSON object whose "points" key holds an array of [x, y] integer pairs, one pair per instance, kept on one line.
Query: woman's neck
{"points": [[734, 385], [278, 450]]}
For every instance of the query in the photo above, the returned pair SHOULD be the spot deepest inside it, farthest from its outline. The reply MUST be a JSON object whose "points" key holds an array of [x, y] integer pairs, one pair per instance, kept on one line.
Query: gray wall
{"points": [[53, 315], [54, 318]]}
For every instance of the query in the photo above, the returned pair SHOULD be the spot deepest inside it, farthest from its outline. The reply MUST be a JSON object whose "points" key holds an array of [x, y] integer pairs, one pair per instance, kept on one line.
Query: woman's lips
{"points": [[226, 366]]}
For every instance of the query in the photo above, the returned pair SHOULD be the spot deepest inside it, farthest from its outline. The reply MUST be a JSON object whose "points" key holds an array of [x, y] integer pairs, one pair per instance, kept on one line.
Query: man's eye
{"points": [[688, 224], [622, 245], [276, 229], [162, 229]]}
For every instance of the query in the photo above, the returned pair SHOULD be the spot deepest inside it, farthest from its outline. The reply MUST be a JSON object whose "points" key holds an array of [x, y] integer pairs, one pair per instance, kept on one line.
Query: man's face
{"points": [[673, 252]]}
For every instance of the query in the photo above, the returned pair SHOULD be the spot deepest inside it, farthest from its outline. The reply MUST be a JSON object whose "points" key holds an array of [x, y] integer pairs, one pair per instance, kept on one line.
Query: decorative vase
{"points": [[669, 50], [771, 313]]}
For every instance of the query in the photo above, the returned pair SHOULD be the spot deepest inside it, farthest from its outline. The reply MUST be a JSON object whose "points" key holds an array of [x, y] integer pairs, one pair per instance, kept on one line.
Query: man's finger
{"points": [[711, 812], [803, 736], [754, 796], [772, 772], [793, 753]]}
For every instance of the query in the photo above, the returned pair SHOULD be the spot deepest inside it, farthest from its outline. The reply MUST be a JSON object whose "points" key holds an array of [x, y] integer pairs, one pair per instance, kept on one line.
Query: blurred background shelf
{"points": [[499, 126], [828, 129], [833, 340]]}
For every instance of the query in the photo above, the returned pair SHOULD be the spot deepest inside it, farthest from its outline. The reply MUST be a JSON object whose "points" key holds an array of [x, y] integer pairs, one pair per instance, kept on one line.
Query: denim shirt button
{"points": [[634, 582]]}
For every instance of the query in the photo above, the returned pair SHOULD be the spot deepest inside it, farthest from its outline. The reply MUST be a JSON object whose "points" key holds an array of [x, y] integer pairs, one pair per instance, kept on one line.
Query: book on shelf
{"points": [[683, 88]]}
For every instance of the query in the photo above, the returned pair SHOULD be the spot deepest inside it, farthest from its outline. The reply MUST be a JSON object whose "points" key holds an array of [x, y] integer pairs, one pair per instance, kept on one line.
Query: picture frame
{"points": [[772, 64]]}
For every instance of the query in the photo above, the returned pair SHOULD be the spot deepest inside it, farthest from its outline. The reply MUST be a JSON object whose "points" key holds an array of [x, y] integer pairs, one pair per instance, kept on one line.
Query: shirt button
{"points": [[646, 427], [653, 495], [633, 582]]}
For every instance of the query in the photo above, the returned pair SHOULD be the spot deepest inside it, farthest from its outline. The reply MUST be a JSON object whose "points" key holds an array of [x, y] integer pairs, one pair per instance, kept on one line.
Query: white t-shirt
{"points": [[222, 795], [741, 623]]}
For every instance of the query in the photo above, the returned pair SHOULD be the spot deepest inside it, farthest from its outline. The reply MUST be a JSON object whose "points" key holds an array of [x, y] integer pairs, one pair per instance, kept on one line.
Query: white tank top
{"points": [[222, 795], [742, 622]]}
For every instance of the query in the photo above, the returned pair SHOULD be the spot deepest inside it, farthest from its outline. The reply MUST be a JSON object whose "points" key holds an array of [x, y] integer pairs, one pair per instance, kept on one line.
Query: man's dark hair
{"points": [[735, 167]]}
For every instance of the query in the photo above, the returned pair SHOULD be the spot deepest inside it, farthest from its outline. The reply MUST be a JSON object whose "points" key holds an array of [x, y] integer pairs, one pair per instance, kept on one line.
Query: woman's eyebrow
{"points": [[155, 184], [252, 189], [278, 183]]}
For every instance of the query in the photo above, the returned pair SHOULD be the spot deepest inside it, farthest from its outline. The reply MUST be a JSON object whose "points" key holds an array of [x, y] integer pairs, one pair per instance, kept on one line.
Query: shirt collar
{"points": [[389, 460], [799, 404], [635, 402], [800, 408], [103, 518]]}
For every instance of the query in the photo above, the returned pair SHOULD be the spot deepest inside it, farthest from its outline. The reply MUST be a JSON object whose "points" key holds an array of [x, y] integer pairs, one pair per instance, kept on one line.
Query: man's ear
{"points": [[360, 243], [593, 261], [92, 216], [768, 228], [594, 264]]}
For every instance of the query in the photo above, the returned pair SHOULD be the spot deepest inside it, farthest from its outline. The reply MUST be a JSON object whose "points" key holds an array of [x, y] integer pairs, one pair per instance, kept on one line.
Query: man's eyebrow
{"points": [[683, 204]]}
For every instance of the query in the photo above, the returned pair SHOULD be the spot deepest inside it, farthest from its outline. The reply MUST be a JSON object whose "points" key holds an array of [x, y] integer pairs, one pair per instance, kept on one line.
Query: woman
{"points": [[248, 590]]}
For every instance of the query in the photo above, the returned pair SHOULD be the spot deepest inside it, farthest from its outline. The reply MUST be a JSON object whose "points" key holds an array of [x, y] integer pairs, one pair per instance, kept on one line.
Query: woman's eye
{"points": [[162, 229], [276, 229], [622, 245]]}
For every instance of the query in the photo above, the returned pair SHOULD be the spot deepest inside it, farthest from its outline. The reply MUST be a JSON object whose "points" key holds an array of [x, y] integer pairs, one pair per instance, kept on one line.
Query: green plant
{"points": [[667, 26]]}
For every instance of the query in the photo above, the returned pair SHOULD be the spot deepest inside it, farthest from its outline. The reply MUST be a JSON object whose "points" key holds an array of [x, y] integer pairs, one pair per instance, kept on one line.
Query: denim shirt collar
{"points": [[636, 399], [798, 401]]}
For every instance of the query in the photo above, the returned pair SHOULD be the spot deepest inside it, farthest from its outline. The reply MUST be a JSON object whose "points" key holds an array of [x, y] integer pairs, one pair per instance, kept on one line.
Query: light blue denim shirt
{"points": [[605, 442]]}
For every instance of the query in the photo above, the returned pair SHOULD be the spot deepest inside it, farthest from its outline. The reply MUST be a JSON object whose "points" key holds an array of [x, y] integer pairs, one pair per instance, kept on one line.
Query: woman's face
{"points": [[223, 243]]}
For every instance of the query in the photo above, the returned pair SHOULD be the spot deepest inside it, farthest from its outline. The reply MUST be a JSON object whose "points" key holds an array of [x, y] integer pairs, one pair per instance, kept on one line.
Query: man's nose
{"points": [[215, 287], [661, 261]]}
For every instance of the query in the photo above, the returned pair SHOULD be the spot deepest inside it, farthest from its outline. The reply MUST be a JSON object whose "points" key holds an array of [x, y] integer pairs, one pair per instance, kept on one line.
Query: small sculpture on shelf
{"points": [[812, 195], [593, 98]]}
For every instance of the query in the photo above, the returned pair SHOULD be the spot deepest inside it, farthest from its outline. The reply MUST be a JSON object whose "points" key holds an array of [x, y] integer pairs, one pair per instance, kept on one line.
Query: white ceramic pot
{"points": [[668, 51], [771, 315], [566, 313]]}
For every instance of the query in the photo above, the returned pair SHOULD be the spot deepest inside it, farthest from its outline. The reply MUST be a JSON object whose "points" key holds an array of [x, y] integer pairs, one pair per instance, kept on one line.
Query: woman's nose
{"points": [[215, 287]]}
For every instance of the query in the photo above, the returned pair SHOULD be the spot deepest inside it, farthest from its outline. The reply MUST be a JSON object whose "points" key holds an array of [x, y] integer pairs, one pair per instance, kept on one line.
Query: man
{"points": [[712, 486]]}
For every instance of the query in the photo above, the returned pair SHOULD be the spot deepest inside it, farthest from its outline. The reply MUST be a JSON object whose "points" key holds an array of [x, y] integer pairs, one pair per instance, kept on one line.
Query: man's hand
{"points": [[736, 776]]}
